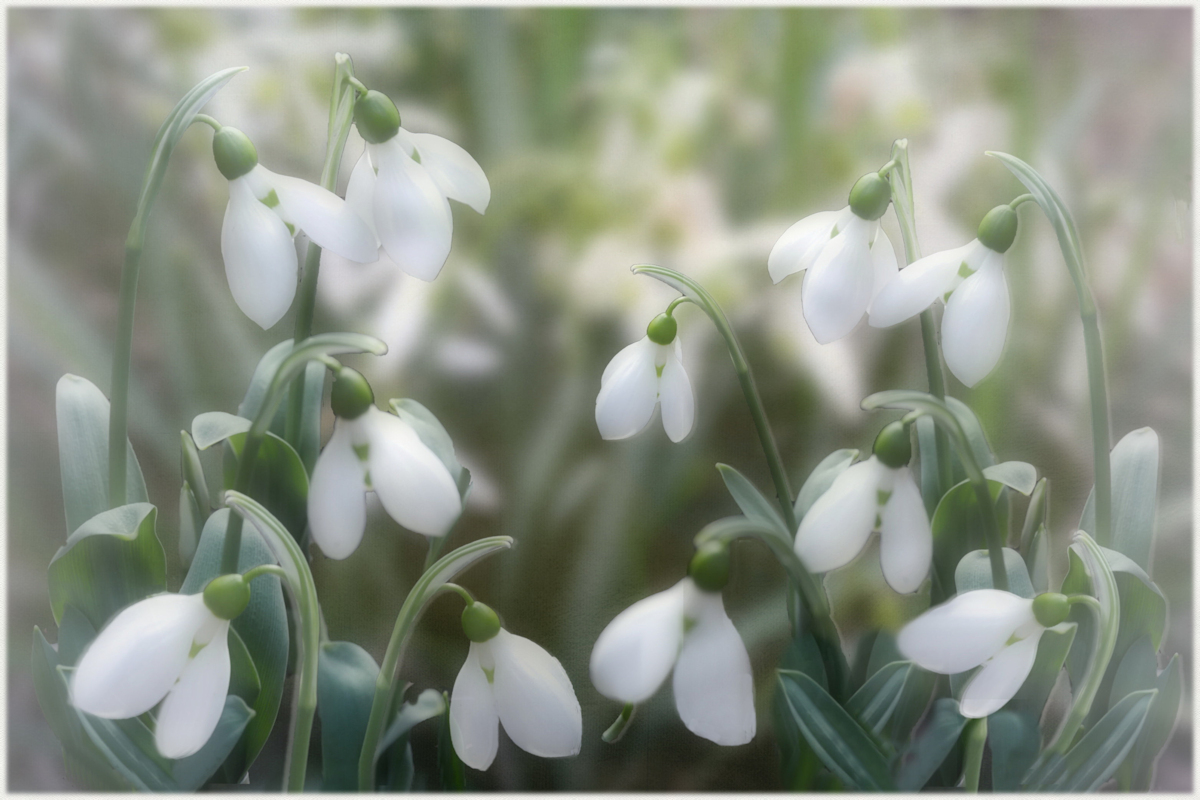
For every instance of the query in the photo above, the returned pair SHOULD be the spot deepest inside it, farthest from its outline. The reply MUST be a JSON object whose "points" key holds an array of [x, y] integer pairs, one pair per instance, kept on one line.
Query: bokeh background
{"points": [[690, 138]]}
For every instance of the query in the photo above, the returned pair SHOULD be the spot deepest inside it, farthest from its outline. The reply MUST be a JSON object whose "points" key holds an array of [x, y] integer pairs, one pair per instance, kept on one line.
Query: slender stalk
{"points": [[973, 755]]}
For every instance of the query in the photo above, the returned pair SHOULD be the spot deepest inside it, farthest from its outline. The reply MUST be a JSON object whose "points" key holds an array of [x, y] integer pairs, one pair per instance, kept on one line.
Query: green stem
{"points": [[617, 730], [1019, 199], [207, 120], [973, 754], [265, 569], [458, 590]]}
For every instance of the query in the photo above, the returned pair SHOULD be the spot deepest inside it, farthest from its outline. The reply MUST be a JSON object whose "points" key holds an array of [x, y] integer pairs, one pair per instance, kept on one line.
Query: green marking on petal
{"points": [[271, 200], [196, 648], [965, 271], [291, 228], [881, 497], [878, 521], [490, 673], [833, 231], [659, 370], [362, 451], [688, 624]]}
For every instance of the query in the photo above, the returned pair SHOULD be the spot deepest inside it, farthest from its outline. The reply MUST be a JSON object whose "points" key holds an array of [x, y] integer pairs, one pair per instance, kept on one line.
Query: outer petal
{"points": [[919, 284], [628, 391], [883, 263], [800, 244], [325, 217], [905, 539], [837, 287], [337, 511], [260, 256], [535, 699], [675, 395], [839, 523], [138, 656], [963, 633], [635, 653], [192, 710], [412, 217], [452, 168], [976, 322], [360, 191], [412, 483], [713, 685], [1000, 678], [474, 723]]}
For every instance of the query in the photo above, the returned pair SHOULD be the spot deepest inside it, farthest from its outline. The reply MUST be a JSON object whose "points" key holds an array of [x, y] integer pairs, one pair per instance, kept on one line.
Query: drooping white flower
{"points": [[648, 372], [687, 629], [167, 646]]}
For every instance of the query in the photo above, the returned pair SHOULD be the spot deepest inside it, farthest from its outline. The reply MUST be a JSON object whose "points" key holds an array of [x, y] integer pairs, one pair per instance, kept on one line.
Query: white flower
{"points": [[510, 681], [866, 496], [639, 377], [686, 628], [381, 452], [148, 652], [847, 260], [970, 279], [406, 203], [265, 211], [991, 627]]}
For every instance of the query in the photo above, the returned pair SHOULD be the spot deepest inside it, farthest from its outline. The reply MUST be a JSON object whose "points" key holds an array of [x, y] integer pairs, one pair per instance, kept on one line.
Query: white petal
{"points": [[193, 708], [413, 484], [713, 684], [800, 244], [337, 511], [534, 698], [412, 217], [976, 322], [137, 657], [678, 402], [635, 653], [628, 391], [838, 524], [1000, 678], [360, 191], [883, 263], [963, 633], [260, 256], [325, 217], [919, 284], [905, 539], [474, 723], [837, 287], [452, 168]]}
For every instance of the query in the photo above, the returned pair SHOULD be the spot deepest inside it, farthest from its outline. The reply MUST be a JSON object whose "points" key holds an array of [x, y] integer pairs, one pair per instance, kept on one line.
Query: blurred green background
{"points": [[690, 138]]}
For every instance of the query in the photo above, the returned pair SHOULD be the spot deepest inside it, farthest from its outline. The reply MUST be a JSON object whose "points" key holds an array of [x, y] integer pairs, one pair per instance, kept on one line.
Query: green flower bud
{"points": [[351, 395], [892, 446], [662, 328], [376, 117], [1050, 608], [998, 228], [870, 196], [710, 566], [227, 595], [479, 622], [234, 152]]}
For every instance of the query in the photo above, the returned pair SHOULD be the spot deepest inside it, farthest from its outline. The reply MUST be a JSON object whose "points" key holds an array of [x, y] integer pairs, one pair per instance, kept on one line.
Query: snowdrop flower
{"points": [[172, 646], [265, 211], [373, 450], [402, 184], [997, 629], [970, 280], [845, 257], [509, 681], [642, 375], [877, 493], [685, 628]]}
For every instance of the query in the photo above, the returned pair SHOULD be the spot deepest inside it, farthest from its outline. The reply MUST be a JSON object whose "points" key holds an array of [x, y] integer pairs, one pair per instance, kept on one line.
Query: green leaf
{"points": [[1014, 474], [433, 436], [843, 746], [1037, 559], [345, 689], [974, 571], [191, 522], [309, 443], [216, 426], [1096, 756], [112, 560], [450, 767], [193, 474], [930, 745], [429, 704], [1013, 740], [1134, 496], [1037, 515], [958, 529], [931, 491], [280, 481], [973, 430], [1137, 671], [81, 411], [244, 680], [750, 500], [803, 655], [256, 391], [1160, 723], [874, 703], [821, 478], [75, 633]]}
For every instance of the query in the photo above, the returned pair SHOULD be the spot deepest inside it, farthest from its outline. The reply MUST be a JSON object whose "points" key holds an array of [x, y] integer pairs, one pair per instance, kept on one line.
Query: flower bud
{"points": [[662, 328], [870, 196], [376, 117], [893, 447], [351, 395], [234, 152], [710, 566], [479, 622], [998, 228], [226, 596], [1050, 608]]}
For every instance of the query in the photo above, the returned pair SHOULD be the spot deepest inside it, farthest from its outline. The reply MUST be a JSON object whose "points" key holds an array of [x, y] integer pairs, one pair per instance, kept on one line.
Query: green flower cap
{"points": [[710, 566], [479, 622], [227, 595], [1050, 608], [998, 228], [376, 117], [662, 329], [870, 196], [234, 152], [893, 447], [351, 395]]}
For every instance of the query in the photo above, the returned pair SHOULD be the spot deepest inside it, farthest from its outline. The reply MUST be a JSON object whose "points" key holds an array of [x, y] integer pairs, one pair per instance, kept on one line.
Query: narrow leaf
{"points": [[874, 703], [932, 743], [751, 501], [345, 687], [1134, 496]]}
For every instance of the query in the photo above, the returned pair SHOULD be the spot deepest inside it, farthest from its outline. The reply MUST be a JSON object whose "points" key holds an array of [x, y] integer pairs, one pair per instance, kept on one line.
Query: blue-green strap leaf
{"points": [[345, 685], [933, 741], [874, 703], [750, 500], [1134, 496]]}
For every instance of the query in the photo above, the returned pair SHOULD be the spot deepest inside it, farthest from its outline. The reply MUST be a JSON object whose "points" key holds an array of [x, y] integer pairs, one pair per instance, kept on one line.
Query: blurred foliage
{"points": [[686, 137]]}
